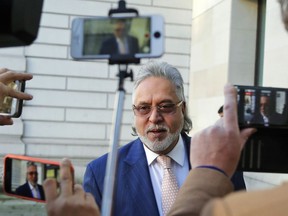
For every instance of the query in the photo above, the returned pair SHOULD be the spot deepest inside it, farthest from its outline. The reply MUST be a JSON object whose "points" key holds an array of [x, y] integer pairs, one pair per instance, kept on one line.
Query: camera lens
{"points": [[157, 34]]}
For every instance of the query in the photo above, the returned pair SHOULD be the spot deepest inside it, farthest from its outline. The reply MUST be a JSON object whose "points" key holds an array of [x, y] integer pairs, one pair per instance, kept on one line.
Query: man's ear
{"points": [[183, 107]]}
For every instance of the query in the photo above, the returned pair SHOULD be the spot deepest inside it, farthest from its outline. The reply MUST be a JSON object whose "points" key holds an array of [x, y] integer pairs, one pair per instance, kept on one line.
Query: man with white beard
{"points": [[161, 123]]}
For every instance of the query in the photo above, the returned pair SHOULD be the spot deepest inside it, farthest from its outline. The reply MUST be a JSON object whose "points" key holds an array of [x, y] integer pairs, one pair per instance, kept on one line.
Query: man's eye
{"points": [[143, 108], [166, 106]]}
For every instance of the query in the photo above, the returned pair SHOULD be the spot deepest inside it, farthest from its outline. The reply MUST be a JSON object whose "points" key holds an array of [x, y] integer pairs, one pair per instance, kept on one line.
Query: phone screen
{"points": [[105, 37], [262, 107]]}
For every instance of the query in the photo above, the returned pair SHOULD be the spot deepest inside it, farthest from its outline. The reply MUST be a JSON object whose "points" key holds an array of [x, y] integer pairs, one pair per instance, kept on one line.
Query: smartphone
{"points": [[12, 106], [107, 37], [262, 107], [22, 173]]}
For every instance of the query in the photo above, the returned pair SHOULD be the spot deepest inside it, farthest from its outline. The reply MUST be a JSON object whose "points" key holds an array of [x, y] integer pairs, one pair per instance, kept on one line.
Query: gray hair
{"points": [[30, 163], [164, 70]]}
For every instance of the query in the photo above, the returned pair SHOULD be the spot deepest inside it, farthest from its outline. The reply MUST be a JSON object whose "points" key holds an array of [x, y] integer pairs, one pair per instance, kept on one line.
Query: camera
{"points": [[12, 106], [117, 37]]}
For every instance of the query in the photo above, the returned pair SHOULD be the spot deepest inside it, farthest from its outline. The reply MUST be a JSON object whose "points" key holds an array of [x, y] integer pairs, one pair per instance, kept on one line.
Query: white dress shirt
{"points": [[35, 191], [179, 164]]}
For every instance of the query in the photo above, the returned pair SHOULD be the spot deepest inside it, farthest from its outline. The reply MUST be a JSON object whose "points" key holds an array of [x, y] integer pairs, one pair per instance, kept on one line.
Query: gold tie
{"points": [[169, 184]]}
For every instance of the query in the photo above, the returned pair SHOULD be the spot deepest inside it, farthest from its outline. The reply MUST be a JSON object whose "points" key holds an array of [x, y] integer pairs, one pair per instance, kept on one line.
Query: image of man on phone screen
{"points": [[31, 188], [120, 43]]}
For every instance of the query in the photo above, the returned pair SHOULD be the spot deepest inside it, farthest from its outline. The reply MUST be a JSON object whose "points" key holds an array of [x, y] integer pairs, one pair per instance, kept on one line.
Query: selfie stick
{"points": [[122, 61]]}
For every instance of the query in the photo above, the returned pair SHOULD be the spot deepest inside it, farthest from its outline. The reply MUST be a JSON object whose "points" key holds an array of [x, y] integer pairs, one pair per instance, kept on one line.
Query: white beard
{"points": [[159, 146]]}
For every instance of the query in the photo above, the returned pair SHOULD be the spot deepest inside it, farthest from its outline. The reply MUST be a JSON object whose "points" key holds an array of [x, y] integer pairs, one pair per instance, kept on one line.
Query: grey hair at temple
{"points": [[162, 69]]}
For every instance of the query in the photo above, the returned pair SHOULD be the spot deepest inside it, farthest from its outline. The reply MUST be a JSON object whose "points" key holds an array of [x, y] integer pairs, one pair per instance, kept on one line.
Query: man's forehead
{"points": [[32, 167]]}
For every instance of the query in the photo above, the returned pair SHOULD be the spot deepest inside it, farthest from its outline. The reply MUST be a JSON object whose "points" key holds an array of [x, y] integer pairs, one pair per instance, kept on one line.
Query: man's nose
{"points": [[155, 115]]}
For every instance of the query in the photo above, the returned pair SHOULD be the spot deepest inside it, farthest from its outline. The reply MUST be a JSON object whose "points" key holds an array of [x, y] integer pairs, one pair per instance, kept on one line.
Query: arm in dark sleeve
{"points": [[201, 185]]}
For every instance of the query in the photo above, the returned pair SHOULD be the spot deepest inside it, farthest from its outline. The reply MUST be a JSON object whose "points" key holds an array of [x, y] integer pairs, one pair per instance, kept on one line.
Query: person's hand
{"points": [[220, 145], [72, 201], [6, 77]]}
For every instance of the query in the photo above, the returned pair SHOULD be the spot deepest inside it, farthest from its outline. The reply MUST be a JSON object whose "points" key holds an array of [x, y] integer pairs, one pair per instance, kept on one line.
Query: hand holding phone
{"points": [[12, 86], [72, 199]]}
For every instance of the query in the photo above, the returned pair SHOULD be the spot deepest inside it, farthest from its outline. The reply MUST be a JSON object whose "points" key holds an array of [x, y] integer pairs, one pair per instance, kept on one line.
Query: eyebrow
{"points": [[161, 102]]}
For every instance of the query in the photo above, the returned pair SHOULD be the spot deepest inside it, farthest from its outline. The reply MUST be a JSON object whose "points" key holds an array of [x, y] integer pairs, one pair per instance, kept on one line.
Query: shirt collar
{"points": [[177, 153], [31, 186]]}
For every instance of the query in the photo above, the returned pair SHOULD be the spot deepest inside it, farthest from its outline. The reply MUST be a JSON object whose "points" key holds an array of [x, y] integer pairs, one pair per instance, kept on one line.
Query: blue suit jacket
{"points": [[110, 46], [24, 190], [134, 193]]}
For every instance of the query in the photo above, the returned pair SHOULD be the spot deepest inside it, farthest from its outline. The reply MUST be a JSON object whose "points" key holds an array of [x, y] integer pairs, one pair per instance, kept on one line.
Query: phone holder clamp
{"points": [[122, 9]]}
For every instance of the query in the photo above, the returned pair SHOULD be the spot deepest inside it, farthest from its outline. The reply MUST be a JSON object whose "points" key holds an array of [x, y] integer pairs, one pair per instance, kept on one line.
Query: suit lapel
{"points": [[139, 185], [187, 140]]}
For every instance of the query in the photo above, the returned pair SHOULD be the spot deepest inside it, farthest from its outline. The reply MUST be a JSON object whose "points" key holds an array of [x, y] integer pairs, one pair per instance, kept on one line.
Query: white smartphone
{"points": [[106, 37], [12, 106]]}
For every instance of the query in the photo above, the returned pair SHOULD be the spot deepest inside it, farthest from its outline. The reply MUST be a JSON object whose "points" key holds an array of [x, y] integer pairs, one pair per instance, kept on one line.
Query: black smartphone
{"points": [[264, 108], [24, 176], [12, 106]]}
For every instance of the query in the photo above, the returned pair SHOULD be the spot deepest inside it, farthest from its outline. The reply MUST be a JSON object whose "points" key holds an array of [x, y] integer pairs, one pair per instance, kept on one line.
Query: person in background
{"points": [[6, 77], [120, 42], [220, 111]]}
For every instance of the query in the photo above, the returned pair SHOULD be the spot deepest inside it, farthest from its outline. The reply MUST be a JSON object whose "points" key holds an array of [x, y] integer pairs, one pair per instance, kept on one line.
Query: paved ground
{"points": [[10, 206]]}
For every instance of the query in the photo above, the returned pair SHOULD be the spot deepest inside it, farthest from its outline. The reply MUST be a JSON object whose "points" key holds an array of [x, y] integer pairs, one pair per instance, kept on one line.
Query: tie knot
{"points": [[165, 161]]}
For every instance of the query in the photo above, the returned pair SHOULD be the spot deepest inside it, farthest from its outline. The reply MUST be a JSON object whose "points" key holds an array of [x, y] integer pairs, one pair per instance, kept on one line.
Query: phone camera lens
{"points": [[157, 34]]}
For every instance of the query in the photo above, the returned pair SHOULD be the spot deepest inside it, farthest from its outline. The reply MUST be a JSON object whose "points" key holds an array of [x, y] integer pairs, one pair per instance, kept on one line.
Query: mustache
{"points": [[157, 128]]}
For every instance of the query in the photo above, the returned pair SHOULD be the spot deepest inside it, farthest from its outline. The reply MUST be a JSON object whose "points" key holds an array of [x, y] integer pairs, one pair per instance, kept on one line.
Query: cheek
{"points": [[175, 123]]}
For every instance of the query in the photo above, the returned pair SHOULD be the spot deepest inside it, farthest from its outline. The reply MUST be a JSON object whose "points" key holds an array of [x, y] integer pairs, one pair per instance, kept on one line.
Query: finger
{"points": [[6, 120], [10, 76], [50, 189], [230, 117], [66, 179], [3, 70], [20, 95]]}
